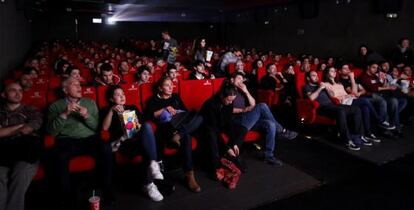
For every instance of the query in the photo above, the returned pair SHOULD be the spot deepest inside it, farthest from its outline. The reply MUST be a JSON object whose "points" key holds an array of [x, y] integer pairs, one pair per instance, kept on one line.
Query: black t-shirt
{"points": [[116, 129], [323, 97], [346, 83], [156, 103], [216, 114], [268, 83]]}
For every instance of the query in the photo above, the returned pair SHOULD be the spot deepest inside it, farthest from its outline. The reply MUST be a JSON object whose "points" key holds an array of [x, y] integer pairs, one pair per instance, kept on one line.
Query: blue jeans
{"points": [[367, 110], [165, 132], [381, 104], [394, 107], [261, 118]]}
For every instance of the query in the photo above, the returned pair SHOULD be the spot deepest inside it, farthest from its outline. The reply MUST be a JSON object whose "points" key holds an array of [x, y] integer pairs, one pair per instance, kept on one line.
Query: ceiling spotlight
{"points": [[391, 15], [266, 22], [111, 21]]}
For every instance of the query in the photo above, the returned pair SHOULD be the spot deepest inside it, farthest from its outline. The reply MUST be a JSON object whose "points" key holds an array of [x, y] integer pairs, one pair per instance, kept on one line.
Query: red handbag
{"points": [[228, 173]]}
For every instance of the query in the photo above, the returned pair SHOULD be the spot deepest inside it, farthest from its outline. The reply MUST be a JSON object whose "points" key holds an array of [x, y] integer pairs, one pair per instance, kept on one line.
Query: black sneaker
{"points": [[386, 125], [398, 133], [365, 141], [288, 135], [273, 161], [350, 145], [371, 137]]}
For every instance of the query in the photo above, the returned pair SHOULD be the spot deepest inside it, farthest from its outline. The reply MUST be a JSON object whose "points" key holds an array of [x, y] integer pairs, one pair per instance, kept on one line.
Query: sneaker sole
{"points": [[387, 128]]}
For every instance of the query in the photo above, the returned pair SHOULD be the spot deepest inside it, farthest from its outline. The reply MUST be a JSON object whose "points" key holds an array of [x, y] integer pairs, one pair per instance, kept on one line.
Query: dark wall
{"points": [[15, 37], [63, 26], [337, 31]]}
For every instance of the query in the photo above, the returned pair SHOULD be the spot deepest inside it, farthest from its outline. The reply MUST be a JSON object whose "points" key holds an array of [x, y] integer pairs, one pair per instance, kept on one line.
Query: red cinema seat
{"points": [[132, 94], [185, 75], [101, 94], [251, 136], [36, 98], [40, 83], [269, 97], [195, 92], [89, 92], [176, 88], [357, 72], [54, 82], [146, 91], [217, 83], [261, 72], [231, 68], [129, 78], [306, 109], [77, 164]]}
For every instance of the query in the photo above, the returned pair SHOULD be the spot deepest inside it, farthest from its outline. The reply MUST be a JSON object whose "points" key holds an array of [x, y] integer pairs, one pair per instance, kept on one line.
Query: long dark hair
{"points": [[325, 76], [109, 94]]}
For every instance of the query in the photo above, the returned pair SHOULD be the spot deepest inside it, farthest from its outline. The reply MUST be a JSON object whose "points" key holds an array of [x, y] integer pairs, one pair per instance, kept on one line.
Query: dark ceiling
{"points": [[157, 10]]}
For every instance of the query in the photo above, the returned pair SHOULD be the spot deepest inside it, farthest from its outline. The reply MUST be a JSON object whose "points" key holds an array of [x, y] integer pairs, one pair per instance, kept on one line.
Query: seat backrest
{"points": [[132, 94], [89, 92], [101, 96], [146, 93], [41, 83], [217, 84], [195, 92], [129, 78], [300, 82], [54, 82], [261, 72], [36, 98], [231, 68]]}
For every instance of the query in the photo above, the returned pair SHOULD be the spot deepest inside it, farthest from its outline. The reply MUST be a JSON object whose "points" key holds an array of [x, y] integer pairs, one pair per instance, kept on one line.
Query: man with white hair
{"points": [[73, 120]]}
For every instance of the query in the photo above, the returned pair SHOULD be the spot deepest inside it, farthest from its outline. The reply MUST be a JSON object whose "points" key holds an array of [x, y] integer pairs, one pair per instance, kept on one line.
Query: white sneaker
{"points": [[152, 191], [154, 170]]}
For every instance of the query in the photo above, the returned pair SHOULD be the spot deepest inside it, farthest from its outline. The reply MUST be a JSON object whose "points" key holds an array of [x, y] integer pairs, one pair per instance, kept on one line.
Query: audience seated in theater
{"points": [[75, 113], [179, 67], [166, 108], [132, 145], [199, 72], [123, 68], [61, 66], [107, 76], [26, 82], [316, 91], [395, 100], [75, 73], [143, 75], [20, 147], [229, 57], [352, 87], [367, 56], [32, 72], [169, 47], [200, 52], [273, 80], [337, 90], [258, 63], [252, 116], [240, 67], [217, 113], [403, 54], [172, 73]]}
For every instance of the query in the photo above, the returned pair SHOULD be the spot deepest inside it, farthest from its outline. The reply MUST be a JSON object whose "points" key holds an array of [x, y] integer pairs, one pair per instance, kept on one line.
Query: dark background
{"points": [[337, 30]]}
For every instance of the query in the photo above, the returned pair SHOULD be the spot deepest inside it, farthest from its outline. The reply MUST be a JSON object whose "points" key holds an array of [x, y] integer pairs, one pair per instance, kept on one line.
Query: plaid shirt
{"points": [[22, 115]]}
